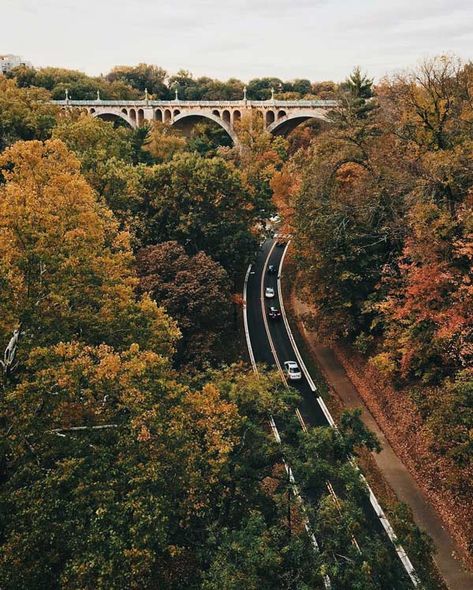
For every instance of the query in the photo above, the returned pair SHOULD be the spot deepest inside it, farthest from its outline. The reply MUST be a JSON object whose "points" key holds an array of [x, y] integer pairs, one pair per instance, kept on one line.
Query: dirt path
{"points": [[394, 471]]}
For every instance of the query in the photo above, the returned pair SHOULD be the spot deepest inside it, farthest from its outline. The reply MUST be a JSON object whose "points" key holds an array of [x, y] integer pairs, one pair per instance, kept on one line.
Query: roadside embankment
{"points": [[410, 469]]}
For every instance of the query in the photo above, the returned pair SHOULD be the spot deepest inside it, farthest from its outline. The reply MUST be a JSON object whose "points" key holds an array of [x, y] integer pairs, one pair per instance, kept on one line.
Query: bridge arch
{"points": [[287, 123], [270, 117], [187, 120], [113, 116]]}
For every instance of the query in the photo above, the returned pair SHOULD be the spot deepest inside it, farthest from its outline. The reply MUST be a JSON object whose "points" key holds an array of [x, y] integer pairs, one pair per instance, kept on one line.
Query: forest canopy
{"points": [[136, 450]]}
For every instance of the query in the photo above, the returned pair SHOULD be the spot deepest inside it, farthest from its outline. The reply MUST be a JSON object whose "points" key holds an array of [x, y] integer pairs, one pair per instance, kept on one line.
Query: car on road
{"points": [[281, 243], [292, 371], [274, 312], [269, 292], [272, 270]]}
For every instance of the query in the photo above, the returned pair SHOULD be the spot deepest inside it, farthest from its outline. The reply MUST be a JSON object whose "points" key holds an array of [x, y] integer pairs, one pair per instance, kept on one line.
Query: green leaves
{"points": [[202, 204]]}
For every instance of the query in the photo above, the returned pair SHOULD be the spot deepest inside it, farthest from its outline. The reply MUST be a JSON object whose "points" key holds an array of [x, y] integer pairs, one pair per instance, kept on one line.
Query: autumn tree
{"points": [[66, 269], [24, 113], [94, 141], [382, 224], [195, 291], [140, 501], [261, 155], [163, 142]]}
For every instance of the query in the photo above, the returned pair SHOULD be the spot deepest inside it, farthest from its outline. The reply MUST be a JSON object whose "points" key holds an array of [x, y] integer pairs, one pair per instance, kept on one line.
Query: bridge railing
{"points": [[200, 103]]}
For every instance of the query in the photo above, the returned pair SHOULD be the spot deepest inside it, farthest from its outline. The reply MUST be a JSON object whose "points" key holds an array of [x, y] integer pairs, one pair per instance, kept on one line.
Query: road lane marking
{"points": [[265, 319], [245, 318], [307, 375]]}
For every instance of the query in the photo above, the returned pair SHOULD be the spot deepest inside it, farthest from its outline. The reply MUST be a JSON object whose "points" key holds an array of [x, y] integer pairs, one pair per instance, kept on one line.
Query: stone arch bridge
{"points": [[280, 116]]}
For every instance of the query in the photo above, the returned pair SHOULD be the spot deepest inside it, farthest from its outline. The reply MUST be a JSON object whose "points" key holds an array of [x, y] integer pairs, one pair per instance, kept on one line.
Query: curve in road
{"points": [[271, 343]]}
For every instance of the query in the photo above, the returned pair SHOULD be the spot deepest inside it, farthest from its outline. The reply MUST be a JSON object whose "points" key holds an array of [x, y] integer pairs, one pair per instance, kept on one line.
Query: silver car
{"points": [[269, 293]]}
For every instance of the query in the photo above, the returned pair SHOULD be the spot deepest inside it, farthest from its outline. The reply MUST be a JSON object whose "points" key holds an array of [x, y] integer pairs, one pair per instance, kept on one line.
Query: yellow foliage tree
{"points": [[65, 268]]}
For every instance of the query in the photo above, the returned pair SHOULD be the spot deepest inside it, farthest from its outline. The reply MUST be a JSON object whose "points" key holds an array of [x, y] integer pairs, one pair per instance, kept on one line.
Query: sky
{"points": [[315, 39]]}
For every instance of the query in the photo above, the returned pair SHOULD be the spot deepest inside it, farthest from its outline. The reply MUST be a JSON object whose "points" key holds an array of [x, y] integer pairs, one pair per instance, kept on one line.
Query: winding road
{"points": [[270, 342]]}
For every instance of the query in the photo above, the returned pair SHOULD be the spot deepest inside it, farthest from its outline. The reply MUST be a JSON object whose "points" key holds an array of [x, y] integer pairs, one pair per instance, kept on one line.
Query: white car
{"points": [[269, 292], [292, 370]]}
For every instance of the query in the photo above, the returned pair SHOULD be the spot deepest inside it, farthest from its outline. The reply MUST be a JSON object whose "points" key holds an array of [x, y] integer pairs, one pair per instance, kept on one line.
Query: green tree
{"points": [[79, 85], [141, 77], [202, 204], [24, 113]]}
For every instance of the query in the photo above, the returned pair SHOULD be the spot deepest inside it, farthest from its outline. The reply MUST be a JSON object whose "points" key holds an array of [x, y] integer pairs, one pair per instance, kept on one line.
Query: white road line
{"points": [[320, 401], [245, 319], [406, 562]]}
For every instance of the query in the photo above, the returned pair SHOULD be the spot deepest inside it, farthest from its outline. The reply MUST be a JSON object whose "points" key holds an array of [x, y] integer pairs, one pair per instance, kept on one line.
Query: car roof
{"points": [[291, 364], [273, 308]]}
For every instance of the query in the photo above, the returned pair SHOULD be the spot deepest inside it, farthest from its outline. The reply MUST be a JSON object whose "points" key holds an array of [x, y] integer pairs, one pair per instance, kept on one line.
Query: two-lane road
{"points": [[271, 343]]}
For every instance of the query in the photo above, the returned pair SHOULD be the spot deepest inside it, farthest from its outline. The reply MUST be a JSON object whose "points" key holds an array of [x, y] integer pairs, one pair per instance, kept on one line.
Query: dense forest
{"points": [[381, 209], [135, 449], [130, 82]]}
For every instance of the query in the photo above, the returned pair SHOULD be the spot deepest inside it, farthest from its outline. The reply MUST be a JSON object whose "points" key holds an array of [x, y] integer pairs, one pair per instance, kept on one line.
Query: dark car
{"points": [[281, 243], [274, 313], [272, 270]]}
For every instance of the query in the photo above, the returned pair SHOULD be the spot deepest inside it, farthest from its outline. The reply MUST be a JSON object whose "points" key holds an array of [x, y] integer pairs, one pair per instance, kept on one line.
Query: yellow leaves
{"points": [[64, 264], [384, 363], [163, 142], [144, 434], [109, 367], [35, 161]]}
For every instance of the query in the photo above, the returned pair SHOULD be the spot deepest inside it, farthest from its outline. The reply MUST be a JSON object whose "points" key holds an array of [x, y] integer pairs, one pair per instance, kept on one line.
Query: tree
{"points": [[138, 501], [65, 268], [163, 142], [202, 204], [260, 88], [94, 142], [260, 157], [141, 77], [382, 224], [24, 113], [207, 137], [195, 291], [79, 85], [301, 87]]}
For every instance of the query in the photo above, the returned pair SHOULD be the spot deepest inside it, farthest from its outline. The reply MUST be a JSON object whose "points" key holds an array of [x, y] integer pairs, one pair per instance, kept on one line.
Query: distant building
{"points": [[8, 62]]}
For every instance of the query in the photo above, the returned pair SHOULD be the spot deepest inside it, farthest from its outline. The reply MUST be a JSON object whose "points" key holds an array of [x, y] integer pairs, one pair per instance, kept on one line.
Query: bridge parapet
{"points": [[202, 103]]}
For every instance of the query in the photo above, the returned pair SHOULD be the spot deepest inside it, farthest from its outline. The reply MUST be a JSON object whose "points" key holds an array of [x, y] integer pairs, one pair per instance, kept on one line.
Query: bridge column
{"points": [[148, 113]]}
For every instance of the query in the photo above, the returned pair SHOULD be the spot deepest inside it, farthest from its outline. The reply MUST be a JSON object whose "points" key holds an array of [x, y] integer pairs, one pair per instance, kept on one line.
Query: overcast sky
{"points": [[315, 39]]}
